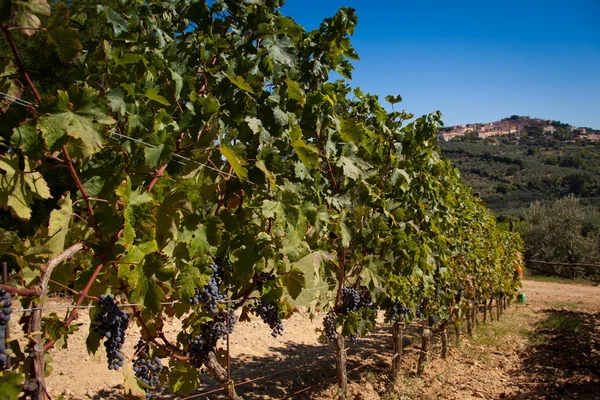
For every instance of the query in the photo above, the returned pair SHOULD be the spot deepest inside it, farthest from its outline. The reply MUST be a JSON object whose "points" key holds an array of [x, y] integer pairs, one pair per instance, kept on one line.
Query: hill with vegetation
{"points": [[539, 160]]}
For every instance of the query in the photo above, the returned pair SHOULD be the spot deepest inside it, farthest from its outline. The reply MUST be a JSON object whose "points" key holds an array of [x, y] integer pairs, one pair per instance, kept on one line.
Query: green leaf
{"points": [[27, 137], [294, 91], [11, 385], [119, 24], [236, 161], [116, 101], [307, 153], [393, 99], [351, 130], [189, 279], [294, 282], [58, 227], [152, 94], [136, 253], [79, 113], [240, 83], [65, 38], [19, 187], [183, 380]]}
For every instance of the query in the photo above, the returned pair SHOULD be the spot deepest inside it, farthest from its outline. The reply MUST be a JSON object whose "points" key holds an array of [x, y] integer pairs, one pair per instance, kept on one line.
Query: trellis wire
{"points": [[16, 100]]}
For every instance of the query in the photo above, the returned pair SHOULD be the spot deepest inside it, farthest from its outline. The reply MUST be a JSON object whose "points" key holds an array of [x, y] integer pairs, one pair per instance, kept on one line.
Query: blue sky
{"points": [[476, 61]]}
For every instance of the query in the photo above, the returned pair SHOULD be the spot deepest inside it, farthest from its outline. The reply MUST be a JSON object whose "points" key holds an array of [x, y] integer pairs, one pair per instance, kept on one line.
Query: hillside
{"points": [[511, 170]]}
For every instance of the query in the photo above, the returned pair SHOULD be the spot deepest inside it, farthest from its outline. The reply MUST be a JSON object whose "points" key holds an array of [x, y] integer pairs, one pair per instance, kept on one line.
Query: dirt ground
{"points": [[548, 348]]}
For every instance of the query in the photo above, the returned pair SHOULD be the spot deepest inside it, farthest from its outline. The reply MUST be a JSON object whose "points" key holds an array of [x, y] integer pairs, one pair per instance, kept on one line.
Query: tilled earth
{"points": [[548, 348]]}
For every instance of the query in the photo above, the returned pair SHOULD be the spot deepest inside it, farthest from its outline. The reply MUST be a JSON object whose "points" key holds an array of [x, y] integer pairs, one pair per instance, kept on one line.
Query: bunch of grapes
{"points": [[210, 295], [366, 301], [111, 322], [351, 301], [329, 326], [420, 310], [432, 320], [146, 369], [5, 312], [398, 311], [269, 313], [199, 346], [265, 277]]}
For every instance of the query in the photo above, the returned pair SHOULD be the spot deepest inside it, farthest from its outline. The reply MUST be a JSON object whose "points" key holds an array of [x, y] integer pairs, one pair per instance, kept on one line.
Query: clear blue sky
{"points": [[476, 61]]}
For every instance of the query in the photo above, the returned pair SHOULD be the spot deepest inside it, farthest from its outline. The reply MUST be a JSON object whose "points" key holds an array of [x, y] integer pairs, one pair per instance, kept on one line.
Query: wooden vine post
{"points": [[398, 350], [340, 363], [423, 356]]}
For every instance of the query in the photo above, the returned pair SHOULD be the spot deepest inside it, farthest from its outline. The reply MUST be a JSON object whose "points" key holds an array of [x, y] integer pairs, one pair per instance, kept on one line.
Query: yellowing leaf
{"points": [[236, 162], [59, 225], [130, 382], [19, 187], [26, 14], [240, 82]]}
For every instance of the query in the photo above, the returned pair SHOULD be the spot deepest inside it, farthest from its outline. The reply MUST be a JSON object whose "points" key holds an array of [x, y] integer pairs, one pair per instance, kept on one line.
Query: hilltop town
{"points": [[516, 125]]}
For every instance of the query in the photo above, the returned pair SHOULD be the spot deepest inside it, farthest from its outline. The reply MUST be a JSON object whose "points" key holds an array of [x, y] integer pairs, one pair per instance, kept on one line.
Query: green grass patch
{"points": [[562, 323], [568, 306]]}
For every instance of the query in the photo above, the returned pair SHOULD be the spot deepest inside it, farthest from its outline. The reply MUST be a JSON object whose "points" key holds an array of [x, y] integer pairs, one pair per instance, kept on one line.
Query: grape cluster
{"points": [[269, 313], [5, 312], [329, 326], [432, 320], [420, 310], [398, 311], [147, 371], [351, 301], [111, 322], [264, 277], [210, 295]]}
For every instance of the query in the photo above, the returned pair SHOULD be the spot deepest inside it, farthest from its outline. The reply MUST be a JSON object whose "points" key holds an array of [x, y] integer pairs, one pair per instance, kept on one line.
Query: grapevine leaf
{"points": [[8, 82], [59, 33], [294, 91], [351, 130], [294, 282], [235, 160], [307, 153], [130, 382], [152, 94], [119, 24], [26, 14], [79, 113], [27, 138], [19, 187], [393, 99], [136, 253], [255, 124], [240, 82], [182, 379], [116, 101], [10, 385], [189, 279], [58, 226]]}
